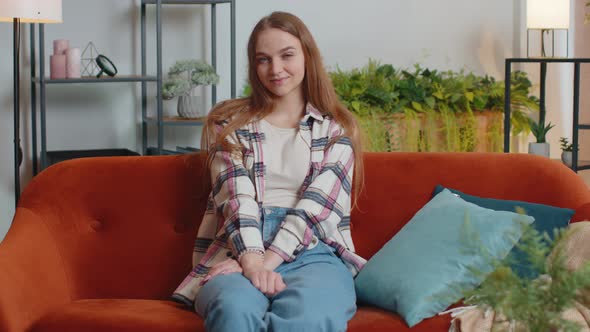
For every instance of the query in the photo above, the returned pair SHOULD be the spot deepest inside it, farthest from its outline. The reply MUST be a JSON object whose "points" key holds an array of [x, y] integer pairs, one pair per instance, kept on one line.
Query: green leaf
{"points": [[439, 95], [479, 103], [379, 95], [356, 106], [430, 102], [408, 110], [357, 91], [469, 96], [386, 70], [417, 106]]}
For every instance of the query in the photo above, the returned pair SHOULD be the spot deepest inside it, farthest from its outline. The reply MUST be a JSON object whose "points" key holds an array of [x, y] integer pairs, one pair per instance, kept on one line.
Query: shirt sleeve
{"points": [[322, 204], [234, 195], [206, 232]]}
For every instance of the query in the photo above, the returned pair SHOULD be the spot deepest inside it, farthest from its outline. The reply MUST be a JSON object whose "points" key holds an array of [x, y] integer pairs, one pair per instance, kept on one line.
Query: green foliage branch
{"points": [[532, 304]]}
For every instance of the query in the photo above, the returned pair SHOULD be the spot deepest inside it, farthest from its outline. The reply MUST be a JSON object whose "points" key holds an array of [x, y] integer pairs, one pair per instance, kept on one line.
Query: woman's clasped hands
{"points": [[256, 268]]}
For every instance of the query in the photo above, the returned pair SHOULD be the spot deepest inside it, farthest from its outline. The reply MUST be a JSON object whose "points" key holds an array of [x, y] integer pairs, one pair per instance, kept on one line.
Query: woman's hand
{"points": [[262, 277], [224, 267], [272, 260]]}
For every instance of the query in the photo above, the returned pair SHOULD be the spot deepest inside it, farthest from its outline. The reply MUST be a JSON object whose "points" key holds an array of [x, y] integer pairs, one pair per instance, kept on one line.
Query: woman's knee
{"points": [[230, 295], [303, 309], [316, 320]]}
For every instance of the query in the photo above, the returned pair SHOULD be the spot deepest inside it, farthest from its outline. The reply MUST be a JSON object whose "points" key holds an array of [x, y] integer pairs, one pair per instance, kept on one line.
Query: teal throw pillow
{"points": [[547, 218], [428, 256]]}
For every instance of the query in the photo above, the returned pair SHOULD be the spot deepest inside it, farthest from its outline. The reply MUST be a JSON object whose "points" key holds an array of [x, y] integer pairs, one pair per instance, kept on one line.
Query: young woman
{"points": [[274, 250]]}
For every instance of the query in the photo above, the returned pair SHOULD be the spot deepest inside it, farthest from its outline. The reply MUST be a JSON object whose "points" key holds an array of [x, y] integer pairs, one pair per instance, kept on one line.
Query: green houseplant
{"points": [[566, 151], [539, 130], [537, 302], [183, 78], [421, 109], [566, 146]]}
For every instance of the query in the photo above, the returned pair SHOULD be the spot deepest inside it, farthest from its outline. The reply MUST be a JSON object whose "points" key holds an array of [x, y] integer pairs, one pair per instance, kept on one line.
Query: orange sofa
{"points": [[99, 244]]}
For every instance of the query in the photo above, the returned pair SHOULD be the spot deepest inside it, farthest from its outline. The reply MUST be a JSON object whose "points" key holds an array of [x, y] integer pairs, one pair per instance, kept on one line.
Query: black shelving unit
{"points": [[160, 120], [41, 81], [576, 126], [102, 79]]}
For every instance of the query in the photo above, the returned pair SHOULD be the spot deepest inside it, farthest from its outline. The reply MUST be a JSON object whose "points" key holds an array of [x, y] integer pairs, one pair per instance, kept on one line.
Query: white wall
{"points": [[452, 34]]}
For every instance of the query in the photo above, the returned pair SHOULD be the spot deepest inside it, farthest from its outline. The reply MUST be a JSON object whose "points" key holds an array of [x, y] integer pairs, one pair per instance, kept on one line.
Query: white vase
{"points": [[541, 149], [566, 158], [190, 107]]}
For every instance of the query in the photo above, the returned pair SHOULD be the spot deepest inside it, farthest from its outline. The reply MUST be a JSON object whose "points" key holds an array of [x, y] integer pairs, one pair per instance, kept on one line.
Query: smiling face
{"points": [[280, 62]]}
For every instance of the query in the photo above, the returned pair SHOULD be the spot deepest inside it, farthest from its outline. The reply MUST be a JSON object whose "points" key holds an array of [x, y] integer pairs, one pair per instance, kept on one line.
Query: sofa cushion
{"points": [[128, 315], [120, 315], [369, 318], [411, 272], [547, 218], [582, 213]]}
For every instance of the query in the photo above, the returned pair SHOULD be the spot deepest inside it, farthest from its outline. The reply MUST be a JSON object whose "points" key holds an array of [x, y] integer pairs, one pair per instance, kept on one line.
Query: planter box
{"points": [[482, 132]]}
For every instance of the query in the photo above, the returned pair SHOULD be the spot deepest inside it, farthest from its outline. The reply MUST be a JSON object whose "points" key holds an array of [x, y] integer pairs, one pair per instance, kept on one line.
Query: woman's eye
{"points": [[262, 60], [287, 55]]}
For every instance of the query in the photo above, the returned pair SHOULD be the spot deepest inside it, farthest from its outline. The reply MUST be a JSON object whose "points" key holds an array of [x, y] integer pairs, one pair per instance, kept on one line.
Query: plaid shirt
{"points": [[231, 224]]}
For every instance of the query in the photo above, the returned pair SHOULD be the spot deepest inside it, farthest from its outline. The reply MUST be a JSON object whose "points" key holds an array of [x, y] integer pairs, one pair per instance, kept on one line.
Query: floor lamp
{"points": [[547, 16], [17, 12]]}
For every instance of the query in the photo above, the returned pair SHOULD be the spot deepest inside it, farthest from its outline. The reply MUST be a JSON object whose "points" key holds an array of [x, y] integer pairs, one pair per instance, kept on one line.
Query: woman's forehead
{"points": [[271, 41]]}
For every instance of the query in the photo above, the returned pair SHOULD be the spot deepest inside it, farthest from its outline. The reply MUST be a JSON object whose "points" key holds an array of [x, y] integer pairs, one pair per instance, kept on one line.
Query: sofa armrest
{"points": [[582, 213], [32, 276]]}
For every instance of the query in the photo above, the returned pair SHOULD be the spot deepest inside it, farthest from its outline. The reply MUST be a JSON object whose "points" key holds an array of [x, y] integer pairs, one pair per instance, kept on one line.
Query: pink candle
{"points": [[60, 46], [73, 60], [57, 66]]}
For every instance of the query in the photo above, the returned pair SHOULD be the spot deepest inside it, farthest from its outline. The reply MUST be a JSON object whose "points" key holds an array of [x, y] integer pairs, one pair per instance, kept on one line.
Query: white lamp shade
{"points": [[31, 11], [548, 14]]}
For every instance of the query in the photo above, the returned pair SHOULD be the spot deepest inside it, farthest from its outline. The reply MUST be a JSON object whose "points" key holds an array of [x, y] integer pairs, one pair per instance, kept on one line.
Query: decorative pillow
{"points": [[547, 218], [426, 258]]}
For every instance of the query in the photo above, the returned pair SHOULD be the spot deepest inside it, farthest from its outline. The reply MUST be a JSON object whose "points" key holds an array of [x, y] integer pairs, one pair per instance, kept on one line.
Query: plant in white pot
{"points": [[539, 130], [183, 78], [566, 151]]}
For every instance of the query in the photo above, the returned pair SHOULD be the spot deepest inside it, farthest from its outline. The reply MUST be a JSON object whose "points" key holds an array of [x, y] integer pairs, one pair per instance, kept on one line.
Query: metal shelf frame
{"points": [[177, 121], [41, 81], [186, 2], [160, 121], [103, 79], [576, 126]]}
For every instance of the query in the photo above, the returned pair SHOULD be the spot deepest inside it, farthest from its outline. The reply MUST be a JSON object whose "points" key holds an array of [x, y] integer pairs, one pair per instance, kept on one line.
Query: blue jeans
{"points": [[319, 296]]}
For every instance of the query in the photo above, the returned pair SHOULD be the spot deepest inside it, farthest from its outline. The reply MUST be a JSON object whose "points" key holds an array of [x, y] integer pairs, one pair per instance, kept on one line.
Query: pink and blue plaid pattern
{"points": [[231, 224]]}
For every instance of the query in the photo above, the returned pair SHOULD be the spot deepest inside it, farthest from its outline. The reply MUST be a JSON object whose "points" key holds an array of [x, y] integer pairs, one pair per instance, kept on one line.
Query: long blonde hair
{"points": [[317, 90]]}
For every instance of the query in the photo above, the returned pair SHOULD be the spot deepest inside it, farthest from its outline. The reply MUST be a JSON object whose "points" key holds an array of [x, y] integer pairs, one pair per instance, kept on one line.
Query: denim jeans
{"points": [[320, 293]]}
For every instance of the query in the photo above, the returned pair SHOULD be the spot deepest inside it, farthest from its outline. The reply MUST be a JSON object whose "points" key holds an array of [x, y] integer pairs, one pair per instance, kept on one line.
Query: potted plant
{"points": [[183, 78], [566, 151], [539, 130]]}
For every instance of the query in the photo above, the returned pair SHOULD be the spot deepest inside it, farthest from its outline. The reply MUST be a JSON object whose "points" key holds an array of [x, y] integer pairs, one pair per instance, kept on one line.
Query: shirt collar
{"points": [[311, 111]]}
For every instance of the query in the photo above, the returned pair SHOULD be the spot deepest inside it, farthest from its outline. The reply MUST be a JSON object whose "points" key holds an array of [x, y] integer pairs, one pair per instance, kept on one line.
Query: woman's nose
{"points": [[276, 67]]}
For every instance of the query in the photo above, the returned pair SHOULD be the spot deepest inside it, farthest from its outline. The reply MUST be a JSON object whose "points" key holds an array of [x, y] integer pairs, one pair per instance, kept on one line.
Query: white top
{"points": [[287, 160]]}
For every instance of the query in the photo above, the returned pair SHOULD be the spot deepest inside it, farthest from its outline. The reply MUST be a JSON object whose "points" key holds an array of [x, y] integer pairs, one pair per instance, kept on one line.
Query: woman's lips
{"points": [[279, 81]]}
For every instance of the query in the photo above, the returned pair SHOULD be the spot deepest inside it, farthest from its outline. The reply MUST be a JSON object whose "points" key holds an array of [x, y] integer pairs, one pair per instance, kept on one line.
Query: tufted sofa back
{"points": [[124, 227], [398, 184]]}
